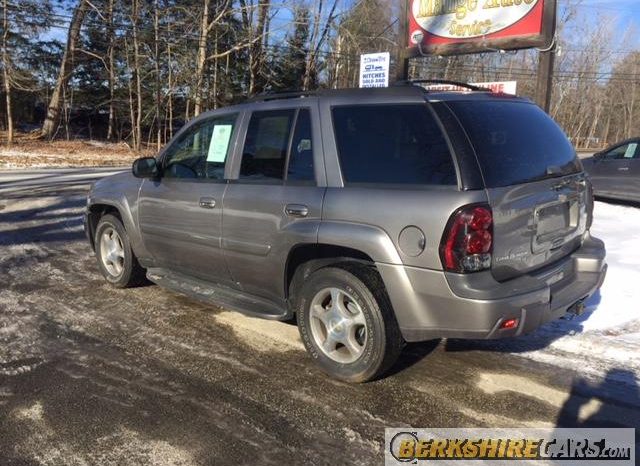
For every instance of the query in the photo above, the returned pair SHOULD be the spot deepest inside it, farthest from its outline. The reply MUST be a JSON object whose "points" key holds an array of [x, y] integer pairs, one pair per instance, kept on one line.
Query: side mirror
{"points": [[145, 167]]}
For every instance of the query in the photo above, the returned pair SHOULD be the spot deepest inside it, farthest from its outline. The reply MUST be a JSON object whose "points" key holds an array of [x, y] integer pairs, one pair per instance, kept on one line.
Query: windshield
{"points": [[516, 142]]}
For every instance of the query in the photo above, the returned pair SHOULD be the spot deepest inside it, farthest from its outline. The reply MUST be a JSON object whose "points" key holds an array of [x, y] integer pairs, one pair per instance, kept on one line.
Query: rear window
{"points": [[516, 142], [392, 144]]}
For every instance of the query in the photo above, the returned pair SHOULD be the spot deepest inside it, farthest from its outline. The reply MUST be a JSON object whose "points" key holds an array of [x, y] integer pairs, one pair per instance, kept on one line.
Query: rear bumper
{"points": [[433, 304]]}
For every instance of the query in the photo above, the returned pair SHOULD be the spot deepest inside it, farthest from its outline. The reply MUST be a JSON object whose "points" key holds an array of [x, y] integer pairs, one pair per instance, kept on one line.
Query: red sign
{"points": [[500, 87], [447, 27]]}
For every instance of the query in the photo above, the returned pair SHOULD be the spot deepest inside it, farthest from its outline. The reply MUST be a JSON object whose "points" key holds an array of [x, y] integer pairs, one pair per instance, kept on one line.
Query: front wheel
{"points": [[347, 324], [116, 260]]}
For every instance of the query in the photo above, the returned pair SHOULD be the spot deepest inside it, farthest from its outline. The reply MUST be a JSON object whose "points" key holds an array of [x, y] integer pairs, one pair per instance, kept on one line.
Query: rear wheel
{"points": [[116, 260], [347, 324]]}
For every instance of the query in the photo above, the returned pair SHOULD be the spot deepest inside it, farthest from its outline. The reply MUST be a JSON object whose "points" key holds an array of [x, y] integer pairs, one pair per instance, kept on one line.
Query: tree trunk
{"points": [[53, 112], [170, 96], [202, 58], [317, 40], [6, 78], [215, 72], [310, 64], [132, 111], [156, 40], [136, 65], [257, 39], [111, 42]]}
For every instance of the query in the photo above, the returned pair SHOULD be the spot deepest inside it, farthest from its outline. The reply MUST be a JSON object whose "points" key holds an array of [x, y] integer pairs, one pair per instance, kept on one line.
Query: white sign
{"points": [[502, 87], [219, 144], [374, 70]]}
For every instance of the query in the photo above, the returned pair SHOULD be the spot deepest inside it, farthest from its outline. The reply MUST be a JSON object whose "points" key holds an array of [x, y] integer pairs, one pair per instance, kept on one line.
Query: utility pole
{"points": [[402, 61], [546, 62]]}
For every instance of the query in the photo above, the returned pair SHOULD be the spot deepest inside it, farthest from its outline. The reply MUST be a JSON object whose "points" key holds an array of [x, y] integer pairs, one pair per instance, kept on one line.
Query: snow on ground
{"points": [[619, 227], [607, 337]]}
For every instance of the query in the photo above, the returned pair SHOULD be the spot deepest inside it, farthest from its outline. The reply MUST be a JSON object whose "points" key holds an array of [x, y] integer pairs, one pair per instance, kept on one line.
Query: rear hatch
{"points": [[534, 181]]}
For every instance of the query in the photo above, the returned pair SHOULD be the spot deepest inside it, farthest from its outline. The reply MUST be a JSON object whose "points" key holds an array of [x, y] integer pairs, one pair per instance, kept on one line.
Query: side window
{"points": [[201, 152], [632, 151], [392, 144], [266, 145], [625, 151], [301, 157], [617, 153]]}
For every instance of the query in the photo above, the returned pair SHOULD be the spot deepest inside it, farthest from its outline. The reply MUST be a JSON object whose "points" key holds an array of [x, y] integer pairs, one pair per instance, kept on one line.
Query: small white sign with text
{"points": [[374, 69]]}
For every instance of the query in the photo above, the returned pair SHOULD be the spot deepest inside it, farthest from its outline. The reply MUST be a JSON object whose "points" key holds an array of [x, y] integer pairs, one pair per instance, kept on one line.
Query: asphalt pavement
{"points": [[94, 375]]}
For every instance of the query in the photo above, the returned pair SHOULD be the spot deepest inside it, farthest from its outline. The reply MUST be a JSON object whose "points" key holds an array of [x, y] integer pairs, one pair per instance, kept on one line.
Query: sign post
{"points": [[544, 85], [547, 59]]}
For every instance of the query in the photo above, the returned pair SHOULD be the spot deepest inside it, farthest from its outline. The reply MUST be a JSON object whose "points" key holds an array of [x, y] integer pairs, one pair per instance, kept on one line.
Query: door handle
{"points": [[207, 202], [623, 169], [296, 210]]}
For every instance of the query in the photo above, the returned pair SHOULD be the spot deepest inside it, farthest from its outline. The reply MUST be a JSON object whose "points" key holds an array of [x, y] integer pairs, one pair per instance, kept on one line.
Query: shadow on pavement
{"points": [[620, 202], [589, 404], [412, 354], [58, 221]]}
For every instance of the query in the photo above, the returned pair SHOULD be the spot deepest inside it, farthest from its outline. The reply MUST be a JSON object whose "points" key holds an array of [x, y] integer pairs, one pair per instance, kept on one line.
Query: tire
{"points": [[116, 260], [362, 318]]}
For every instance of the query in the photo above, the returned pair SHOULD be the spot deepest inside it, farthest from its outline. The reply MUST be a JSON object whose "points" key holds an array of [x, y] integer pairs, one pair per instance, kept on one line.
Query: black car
{"points": [[615, 172]]}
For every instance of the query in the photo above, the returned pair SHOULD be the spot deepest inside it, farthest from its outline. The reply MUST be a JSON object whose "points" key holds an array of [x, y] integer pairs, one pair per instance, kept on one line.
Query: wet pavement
{"points": [[95, 375]]}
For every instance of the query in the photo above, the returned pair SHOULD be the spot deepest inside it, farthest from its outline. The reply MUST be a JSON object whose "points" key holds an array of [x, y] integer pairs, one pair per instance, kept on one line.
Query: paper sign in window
{"points": [[219, 144], [631, 151]]}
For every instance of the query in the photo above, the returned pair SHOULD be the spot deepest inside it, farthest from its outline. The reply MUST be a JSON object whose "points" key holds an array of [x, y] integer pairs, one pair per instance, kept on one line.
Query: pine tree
{"points": [[19, 28], [290, 62]]}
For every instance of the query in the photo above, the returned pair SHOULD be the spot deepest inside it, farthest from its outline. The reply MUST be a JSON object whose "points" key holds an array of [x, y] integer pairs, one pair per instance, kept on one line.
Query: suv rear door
{"points": [[180, 214], [275, 200], [534, 182]]}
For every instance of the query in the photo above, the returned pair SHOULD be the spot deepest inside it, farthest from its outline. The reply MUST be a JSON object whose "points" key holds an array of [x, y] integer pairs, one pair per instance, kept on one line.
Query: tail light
{"points": [[468, 240]]}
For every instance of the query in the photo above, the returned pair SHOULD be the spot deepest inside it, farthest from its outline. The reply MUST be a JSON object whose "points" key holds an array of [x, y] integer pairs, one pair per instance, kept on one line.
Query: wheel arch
{"points": [[94, 213], [338, 242], [100, 207], [304, 259]]}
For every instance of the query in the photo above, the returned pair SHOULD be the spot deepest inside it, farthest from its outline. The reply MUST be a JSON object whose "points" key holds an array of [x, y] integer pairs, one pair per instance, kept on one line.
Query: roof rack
{"points": [[264, 97], [412, 82]]}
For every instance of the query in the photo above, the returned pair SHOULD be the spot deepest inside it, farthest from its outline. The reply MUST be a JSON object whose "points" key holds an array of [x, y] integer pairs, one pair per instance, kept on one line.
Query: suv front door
{"points": [[276, 201], [615, 171], [180, 214]]}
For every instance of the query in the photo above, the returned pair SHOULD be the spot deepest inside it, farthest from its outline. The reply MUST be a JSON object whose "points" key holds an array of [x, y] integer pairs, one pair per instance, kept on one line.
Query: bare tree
{"points": [[111, 52], [156, 44], [6, 63], [257, 38], [137, 73], [66, 68], [206, 26], [322, 26]]}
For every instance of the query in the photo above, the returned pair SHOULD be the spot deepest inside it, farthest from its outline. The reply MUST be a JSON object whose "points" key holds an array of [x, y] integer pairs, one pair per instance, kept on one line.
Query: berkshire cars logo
{"points": [[456, 19], [525, 446]]}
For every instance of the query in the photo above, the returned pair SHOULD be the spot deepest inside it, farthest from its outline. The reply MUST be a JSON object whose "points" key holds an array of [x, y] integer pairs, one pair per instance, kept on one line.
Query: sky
{"points": [[626, 13]]}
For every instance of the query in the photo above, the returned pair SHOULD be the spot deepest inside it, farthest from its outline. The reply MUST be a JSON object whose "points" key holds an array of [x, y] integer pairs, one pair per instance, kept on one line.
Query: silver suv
{"points": [[373, 217]]}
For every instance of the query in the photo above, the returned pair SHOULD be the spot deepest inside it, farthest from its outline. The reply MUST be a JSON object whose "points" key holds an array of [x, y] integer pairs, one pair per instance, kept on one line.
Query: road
{"points": [[94, 375]]}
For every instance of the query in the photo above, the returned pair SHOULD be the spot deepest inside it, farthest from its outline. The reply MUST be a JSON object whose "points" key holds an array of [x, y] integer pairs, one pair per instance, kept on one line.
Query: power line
{"points": [[514, 71]]}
